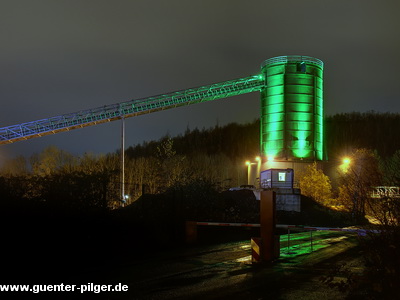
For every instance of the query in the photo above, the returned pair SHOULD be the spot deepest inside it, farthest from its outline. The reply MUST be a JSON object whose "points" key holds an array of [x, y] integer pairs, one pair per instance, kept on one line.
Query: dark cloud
{"points": [[63, 56]]}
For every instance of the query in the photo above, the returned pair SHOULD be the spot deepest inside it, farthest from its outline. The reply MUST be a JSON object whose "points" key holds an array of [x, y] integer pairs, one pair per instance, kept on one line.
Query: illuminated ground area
{"points": [[224, 271]]}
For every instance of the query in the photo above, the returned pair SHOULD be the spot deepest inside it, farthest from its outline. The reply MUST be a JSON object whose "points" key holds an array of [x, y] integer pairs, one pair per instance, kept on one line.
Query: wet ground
{"points": [[225, 271]]}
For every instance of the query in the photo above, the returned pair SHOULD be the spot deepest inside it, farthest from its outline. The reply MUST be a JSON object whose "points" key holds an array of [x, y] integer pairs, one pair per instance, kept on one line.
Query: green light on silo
{"points": [[292, 108]]}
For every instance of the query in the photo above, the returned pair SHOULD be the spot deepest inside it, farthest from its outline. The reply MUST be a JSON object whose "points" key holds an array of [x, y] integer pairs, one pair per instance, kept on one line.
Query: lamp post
{"points": [[248, 163], [259, 161], [122, 161]]}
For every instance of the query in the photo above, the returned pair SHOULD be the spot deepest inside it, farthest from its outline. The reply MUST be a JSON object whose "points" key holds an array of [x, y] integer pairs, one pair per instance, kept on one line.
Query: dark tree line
{"points": [[344, 132], [370, 130], [57, 179], [215, 155], [232, 140]]}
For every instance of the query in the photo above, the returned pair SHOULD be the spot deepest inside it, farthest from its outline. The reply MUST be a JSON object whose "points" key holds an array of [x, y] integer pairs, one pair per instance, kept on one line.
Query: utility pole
{"points": [[122, 158]]}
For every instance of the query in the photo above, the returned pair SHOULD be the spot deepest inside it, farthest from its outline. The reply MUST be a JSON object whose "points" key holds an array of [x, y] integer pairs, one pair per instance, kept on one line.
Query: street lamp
{"points": [[259, 162], [248, 164], [344, 167]]}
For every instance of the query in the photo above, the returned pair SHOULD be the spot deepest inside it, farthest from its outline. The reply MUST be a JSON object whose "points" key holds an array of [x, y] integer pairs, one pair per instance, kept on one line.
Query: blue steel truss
{"points": [[130, 108]]}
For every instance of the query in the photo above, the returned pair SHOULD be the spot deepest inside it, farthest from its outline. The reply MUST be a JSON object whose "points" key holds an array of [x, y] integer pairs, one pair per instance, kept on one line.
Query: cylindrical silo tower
{"points": [[292, 109]]}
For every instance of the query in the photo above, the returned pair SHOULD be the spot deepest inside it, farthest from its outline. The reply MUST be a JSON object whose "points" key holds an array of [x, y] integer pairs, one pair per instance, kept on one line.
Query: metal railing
{"points": [[385, 192], [292, 58]]}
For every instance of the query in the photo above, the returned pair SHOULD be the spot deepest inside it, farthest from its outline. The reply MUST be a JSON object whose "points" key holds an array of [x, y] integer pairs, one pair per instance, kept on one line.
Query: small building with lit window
{"points": [[277, 179], [281, 181]]}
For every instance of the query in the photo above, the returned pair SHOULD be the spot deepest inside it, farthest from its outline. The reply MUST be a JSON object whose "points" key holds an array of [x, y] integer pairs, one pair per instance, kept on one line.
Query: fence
{"points": [[191, 230]]}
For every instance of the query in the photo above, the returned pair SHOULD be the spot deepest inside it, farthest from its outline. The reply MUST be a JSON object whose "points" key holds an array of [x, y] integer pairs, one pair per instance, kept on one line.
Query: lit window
{"points": [[282, 176]]}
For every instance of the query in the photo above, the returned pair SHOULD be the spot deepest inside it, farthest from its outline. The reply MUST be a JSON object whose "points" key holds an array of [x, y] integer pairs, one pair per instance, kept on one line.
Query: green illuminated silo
{"points": [[292, 108]]}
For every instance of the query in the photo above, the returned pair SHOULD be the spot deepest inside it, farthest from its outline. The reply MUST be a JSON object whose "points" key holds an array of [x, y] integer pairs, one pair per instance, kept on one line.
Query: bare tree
{"points": [[362, 175], [15, 167], [52, 160], [171, 165]]}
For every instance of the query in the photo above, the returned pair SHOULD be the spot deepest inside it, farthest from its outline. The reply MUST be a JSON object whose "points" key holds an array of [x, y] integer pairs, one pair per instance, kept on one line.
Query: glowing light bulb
{"points": [[346, 160]]}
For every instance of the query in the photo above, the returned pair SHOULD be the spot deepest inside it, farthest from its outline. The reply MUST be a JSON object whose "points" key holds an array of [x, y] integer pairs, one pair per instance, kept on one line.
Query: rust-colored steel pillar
{"points": [[270, 244]]}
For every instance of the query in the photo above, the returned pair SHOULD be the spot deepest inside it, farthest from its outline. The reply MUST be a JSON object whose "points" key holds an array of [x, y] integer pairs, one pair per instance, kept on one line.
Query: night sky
{"points": [[59, 57]]}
